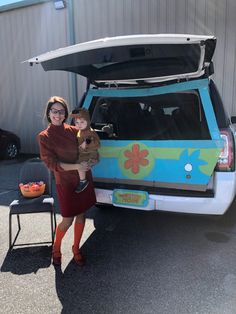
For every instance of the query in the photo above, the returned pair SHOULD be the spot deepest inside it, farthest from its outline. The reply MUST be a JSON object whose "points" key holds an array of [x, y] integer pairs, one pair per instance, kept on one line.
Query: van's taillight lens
{"points": [[226, 158]]}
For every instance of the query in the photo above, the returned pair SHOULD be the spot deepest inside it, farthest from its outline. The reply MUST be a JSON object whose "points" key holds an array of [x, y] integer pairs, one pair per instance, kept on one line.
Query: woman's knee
{"points": [[66, 223], [80, 219]]}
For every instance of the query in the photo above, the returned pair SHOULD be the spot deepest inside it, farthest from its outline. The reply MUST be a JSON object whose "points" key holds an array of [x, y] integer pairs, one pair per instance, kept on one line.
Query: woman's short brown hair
{"points": [[51, 101]]}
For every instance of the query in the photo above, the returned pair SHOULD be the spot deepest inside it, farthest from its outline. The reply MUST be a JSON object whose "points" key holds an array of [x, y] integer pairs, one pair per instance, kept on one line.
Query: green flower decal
{"points": [[136, 161]]}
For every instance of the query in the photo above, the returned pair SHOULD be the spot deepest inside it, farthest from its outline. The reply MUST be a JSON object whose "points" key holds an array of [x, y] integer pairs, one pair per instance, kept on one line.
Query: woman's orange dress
{"points": [[59, 144]]}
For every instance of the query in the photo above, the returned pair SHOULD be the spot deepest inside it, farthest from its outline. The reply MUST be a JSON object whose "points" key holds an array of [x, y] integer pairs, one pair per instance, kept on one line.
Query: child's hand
{"points": [[92, 162]]}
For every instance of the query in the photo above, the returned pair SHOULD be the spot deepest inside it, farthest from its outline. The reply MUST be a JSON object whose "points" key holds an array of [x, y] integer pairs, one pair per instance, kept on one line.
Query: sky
{"points": [[4, 2]]}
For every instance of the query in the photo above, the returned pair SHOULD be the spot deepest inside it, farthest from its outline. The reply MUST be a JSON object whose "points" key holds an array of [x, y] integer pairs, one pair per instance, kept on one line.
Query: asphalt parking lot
{"points": [[137, 262]]}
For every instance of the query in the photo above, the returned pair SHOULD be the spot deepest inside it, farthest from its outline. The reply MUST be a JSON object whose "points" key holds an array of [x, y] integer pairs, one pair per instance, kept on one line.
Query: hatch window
{"points": [[173, 116]]}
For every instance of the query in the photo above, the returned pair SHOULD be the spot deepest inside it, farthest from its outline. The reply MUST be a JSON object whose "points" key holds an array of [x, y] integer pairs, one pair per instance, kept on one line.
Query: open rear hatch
{"points": [[135, 58]]}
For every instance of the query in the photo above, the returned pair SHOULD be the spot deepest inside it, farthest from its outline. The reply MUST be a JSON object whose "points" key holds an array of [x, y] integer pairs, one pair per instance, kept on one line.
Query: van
{"points": [[167, 143]]}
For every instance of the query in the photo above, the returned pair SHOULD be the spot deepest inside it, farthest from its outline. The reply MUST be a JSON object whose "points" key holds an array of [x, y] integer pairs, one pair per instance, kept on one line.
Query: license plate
{"points": [[130, 198]]}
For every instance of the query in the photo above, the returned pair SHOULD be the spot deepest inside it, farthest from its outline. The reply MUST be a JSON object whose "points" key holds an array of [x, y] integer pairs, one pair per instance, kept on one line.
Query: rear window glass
{"points": [[162, 117]]}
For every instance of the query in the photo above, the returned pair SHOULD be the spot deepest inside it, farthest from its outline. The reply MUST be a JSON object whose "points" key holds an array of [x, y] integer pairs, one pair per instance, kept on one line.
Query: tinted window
{"points": [[161, 117]]}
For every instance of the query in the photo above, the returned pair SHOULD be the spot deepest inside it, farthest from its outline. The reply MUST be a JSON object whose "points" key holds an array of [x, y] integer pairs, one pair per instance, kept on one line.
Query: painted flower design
{"points": [[136, 158]]}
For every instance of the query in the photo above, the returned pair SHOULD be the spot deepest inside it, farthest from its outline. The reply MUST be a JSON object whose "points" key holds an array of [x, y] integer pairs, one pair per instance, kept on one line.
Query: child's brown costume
{"points": [[88, 135]]}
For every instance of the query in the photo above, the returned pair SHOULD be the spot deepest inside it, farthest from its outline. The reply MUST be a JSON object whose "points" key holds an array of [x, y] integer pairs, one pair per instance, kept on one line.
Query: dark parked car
{"points": [[9, 144]]}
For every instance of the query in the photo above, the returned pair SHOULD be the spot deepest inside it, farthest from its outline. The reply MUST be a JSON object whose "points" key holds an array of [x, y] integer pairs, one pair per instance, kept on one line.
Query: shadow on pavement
{"points": [[139, 248], [105, 277], [27, 260], [135, 260]]}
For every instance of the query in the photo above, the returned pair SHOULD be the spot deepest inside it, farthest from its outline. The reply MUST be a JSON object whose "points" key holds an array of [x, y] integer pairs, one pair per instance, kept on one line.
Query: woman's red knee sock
{"points": [[58, 238], [78, 231]]}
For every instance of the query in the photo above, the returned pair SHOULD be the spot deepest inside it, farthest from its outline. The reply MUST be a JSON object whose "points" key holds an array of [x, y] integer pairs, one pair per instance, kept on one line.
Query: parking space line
{"points": [[5, 192]]}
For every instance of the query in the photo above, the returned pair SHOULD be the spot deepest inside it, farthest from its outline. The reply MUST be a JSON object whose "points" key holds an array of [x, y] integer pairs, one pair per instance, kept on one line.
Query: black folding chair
{"points": [[33, 170]]}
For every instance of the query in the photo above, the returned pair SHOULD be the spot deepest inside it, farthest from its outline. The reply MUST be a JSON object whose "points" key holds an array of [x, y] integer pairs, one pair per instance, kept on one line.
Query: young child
{"points": [[88, 144]]}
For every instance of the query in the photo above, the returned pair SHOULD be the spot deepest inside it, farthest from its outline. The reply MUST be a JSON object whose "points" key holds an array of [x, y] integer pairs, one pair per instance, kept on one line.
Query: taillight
{"points": [[226, 158]]}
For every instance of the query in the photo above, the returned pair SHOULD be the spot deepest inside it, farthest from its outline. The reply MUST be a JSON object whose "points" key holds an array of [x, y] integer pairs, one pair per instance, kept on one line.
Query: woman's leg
{"points": [[61, 229], [78, 231], [66, 223]]}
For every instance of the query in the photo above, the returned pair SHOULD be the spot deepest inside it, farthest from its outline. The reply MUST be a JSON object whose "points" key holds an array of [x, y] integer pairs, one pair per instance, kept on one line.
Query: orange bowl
{"points": [[32, 189]]}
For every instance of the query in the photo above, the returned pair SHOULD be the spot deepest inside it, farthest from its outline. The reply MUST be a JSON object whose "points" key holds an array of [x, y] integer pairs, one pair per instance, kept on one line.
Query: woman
{"points": [[59, 150]]}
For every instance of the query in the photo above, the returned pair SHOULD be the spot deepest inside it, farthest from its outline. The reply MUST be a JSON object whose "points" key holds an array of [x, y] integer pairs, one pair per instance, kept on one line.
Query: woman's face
{"points": [[57, 114]]}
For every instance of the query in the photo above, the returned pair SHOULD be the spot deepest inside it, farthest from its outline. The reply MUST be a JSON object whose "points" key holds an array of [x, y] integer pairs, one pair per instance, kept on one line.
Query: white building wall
{"points": [[29, 31], [26, 32], [94, 19]]}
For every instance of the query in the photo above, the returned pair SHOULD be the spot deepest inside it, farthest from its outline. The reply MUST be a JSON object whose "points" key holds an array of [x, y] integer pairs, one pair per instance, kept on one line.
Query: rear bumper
{"points": [[224, 193]]}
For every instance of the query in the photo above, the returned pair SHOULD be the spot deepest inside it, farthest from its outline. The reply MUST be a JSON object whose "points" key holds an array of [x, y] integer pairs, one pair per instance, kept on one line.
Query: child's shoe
{"points": [[82, 186]]}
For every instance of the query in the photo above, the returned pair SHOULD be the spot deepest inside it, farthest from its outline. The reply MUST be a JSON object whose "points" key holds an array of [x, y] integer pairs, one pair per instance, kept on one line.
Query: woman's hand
{"points": [[83, 166]]}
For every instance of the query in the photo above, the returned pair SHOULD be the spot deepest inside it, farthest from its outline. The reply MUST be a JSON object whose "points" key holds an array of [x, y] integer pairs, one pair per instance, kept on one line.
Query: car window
{"points": [[161, 117]]}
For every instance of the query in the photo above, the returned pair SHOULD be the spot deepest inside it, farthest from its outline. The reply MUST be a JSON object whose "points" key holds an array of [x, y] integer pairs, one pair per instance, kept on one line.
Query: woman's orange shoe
{"points": [[56, 258], [78, 258]]}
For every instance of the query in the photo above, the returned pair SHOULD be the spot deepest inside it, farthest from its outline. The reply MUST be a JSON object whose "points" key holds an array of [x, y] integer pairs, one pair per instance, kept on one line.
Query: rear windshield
{"points": [[174, 116]]}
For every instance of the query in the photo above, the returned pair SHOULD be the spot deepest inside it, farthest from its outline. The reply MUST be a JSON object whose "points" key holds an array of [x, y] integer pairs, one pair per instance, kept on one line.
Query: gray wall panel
{"points": [[29, 31], [228, 85], [24, 90], [214, 17]]}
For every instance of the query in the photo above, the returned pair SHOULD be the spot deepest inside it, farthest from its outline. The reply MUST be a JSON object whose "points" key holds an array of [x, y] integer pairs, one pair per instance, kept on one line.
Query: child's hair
{"points": [[81, 113]]}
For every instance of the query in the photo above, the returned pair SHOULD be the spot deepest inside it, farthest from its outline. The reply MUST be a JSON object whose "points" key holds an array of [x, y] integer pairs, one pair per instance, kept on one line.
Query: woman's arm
{"points": [[49, 157], [79, 167], [47, 154]]}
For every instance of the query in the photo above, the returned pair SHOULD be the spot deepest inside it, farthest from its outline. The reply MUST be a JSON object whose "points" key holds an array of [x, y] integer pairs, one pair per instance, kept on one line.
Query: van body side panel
{"points": [[167, 162]]}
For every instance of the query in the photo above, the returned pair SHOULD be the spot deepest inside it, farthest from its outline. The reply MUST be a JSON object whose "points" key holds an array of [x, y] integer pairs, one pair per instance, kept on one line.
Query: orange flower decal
{"points": [[136, 158]]}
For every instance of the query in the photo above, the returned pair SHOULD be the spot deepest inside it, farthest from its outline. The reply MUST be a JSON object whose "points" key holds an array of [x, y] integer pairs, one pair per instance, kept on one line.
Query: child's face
{"points": [[80, 123]]}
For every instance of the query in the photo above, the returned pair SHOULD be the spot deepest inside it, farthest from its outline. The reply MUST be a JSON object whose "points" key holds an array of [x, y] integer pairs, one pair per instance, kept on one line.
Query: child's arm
{"points": [[95, 141]]}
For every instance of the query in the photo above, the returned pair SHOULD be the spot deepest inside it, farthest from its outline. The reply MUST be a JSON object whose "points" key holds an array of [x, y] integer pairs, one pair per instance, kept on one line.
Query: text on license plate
{"points": [[130, 197]]}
